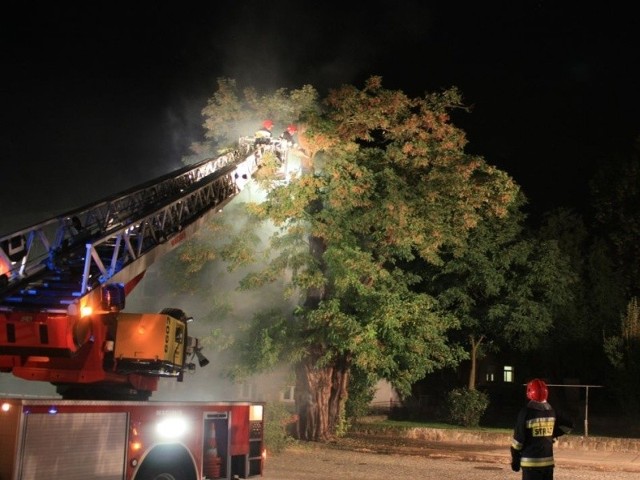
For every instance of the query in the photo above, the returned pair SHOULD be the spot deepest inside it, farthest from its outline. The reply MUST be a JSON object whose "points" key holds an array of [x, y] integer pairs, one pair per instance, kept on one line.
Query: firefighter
{"points": [[263, 135], [537, 427], [262, 138], [284, 142], [287, 136]]}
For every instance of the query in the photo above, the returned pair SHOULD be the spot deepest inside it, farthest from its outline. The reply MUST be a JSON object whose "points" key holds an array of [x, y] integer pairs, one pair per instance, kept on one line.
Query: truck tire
{"points": [[167, 462]]}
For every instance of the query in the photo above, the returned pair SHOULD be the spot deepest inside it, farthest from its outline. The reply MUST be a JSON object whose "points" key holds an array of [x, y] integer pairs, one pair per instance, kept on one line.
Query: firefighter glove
{"points": [[515, 460]]}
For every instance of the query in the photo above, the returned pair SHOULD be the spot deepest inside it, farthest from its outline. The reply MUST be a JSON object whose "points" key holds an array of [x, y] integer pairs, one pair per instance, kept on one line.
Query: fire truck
{"points": [[63, 285], [94, 439]]}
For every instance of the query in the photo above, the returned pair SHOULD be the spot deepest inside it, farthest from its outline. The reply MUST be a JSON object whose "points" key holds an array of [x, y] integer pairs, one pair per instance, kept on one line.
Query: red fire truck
{"points": [[62, 298], [74, 439]]}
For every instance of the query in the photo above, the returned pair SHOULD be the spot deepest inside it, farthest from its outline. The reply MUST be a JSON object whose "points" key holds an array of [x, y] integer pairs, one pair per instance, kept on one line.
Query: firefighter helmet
{"points": [[537, 390], [292, 129], [268, 124]]}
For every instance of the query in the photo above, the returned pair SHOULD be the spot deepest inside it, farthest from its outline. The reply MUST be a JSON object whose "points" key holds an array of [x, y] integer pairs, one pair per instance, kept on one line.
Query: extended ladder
{"points": [[50, 265]]}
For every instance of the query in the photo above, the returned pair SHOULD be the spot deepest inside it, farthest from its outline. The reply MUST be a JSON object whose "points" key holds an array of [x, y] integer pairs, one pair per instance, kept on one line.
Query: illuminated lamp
{"points": [[135, 443], [256, 413], [6, 406], [53, 410], [171, 427]]}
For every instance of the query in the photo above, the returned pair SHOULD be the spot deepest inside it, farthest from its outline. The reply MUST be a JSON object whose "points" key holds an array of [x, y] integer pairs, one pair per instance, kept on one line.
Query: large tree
{"points": [[506, 287], [598, 299], [387, 185]]}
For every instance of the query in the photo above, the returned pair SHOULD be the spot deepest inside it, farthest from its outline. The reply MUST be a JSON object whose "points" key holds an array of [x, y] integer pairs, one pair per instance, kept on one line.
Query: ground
{"points": [[354, 460]]}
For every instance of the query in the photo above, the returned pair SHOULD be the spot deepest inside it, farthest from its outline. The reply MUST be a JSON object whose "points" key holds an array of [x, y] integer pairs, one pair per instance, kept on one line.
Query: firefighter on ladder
{"points": [[263, 134], [262, 137], [288, 136]]}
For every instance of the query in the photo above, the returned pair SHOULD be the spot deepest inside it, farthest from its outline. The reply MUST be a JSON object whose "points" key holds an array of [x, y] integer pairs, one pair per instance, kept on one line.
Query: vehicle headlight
{"points": [[171, 427]]}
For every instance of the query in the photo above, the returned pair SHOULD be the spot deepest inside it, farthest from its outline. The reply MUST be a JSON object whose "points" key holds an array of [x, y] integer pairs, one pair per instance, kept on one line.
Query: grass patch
{"points": [[386, 424]]}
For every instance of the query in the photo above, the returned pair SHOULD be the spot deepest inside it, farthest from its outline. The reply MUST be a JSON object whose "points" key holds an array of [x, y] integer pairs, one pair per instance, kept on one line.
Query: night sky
{"points": [[100, 96]]}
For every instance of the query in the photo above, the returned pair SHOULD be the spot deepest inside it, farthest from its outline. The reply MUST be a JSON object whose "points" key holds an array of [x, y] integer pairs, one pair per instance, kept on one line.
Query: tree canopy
{"points": [[505, 288], [387, 186]]}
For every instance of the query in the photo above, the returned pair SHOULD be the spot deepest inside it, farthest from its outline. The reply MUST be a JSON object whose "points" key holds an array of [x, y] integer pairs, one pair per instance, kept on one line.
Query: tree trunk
{"points": [[475, 346], [339, 393], [321, 394]]}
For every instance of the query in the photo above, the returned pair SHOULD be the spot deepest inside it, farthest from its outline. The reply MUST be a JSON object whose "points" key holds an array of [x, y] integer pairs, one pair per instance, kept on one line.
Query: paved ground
{"points": [[443, 462]]}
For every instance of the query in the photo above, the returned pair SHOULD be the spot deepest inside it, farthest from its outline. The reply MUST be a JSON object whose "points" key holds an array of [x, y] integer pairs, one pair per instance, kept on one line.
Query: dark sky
{"points": [[100, 96]]}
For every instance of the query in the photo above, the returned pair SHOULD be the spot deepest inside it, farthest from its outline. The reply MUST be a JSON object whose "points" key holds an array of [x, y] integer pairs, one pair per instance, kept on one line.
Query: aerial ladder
{"points": [[64, 281]]}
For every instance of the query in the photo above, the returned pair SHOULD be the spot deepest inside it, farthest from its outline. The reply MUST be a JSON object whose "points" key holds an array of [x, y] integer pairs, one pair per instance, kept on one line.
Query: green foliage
{"points": [[623, 352], [387, 187], [186, 265], [616, 195], [343, 423], [466, 407], [598, 298], [231, 113], [276, 419], [505, 286], [614, 350], [362, 386], [184, 268], [584, 318]]}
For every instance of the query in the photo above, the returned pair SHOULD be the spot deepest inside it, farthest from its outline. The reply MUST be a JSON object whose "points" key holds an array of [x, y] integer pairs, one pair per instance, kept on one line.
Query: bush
{"points": [[276, 419], [466, 407]]}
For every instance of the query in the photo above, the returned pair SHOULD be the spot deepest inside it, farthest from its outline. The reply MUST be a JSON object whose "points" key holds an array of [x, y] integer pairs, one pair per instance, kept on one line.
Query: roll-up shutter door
{"points": [[69, 446]]}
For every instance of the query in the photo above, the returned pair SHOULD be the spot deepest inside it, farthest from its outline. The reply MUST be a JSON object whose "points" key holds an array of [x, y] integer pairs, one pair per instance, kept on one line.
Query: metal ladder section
{"points": [[54, 263]]}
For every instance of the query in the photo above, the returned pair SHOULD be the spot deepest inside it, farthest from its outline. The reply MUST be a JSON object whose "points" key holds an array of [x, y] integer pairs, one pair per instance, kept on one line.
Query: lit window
{"points": [[490, 374], [507, 374]]}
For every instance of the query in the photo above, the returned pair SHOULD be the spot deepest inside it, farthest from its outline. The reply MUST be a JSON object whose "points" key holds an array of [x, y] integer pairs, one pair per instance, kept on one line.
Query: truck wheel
{"points": [[159, 474], [167, 462]]}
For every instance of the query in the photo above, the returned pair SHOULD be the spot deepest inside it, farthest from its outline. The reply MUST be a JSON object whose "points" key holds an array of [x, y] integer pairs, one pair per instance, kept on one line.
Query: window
{"points": [[507, 374], [490, 374], [287, 394]]}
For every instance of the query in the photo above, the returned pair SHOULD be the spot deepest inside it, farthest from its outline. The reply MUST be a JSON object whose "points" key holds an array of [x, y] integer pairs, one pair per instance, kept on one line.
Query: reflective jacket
{"points": [[262, 136], [537, 427]]}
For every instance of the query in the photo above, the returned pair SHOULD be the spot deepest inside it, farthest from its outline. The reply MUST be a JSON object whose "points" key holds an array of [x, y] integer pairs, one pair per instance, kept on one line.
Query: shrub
{"points": [[276, 419], [466, 407]]}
